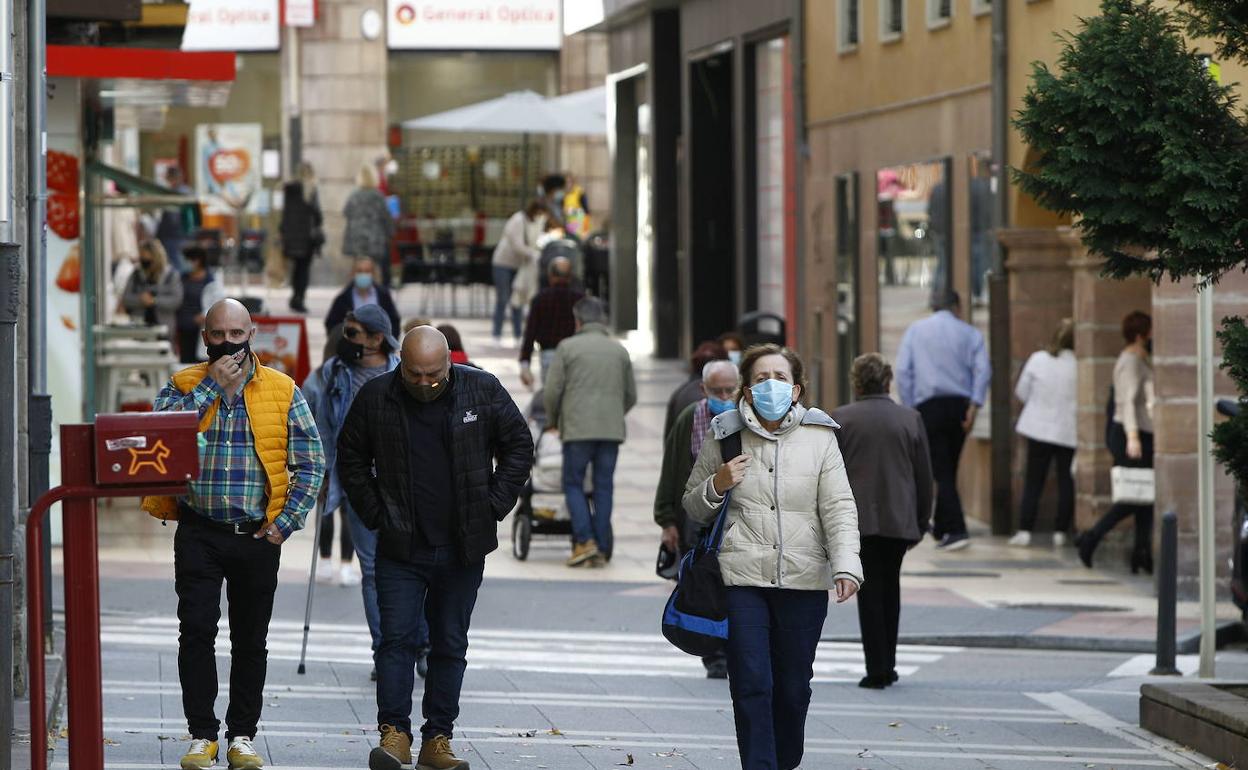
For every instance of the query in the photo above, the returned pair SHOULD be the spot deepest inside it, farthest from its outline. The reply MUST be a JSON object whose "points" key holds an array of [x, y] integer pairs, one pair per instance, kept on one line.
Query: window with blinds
{"points": [[892, 19], [939, 13], [848, 19]]}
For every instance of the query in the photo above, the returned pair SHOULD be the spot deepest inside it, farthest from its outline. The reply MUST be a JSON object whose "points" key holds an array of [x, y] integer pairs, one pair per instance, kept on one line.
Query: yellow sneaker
{"points": [[583, 552], [394, 753], [242, 755], [436, 754], [201, 754]]}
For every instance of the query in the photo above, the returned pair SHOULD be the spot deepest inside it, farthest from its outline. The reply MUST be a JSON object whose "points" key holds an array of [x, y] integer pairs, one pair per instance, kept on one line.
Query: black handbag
{"points": [[695, 619]]}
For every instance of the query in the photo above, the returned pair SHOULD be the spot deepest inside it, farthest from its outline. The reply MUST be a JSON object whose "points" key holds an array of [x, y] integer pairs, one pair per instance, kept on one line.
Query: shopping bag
{"points": [[1134, 486], [695, 619]]}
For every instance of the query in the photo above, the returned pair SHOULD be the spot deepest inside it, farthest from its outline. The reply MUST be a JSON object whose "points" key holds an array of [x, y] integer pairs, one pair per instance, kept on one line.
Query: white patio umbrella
{"points": [[523, 112]]}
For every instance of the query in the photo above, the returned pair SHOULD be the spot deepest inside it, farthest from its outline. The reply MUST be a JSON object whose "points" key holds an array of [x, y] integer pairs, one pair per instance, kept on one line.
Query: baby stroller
{"points": [[541, 510]]}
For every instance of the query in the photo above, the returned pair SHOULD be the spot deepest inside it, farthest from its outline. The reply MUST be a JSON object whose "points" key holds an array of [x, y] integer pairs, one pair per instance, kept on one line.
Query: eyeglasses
{"points": [[722, 393]]}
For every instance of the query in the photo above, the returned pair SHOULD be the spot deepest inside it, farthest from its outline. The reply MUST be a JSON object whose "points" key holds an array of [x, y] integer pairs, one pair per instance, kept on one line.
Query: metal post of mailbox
{"points": [[82, 601]]}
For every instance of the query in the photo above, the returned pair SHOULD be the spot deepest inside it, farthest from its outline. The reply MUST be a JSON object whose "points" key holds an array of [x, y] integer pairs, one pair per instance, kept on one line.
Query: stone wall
{"points": [[582, 65], [343, 94], [1175, 418]]}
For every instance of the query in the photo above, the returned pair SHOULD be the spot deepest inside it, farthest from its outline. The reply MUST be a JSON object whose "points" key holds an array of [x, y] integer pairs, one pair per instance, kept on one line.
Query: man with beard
{"points": [[417, 457]]}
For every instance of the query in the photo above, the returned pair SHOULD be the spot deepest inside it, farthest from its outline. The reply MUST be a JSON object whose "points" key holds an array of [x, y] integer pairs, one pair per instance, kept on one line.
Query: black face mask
{"points": [[220, 349], [348, 351], [146, 264], [1148, 345]]}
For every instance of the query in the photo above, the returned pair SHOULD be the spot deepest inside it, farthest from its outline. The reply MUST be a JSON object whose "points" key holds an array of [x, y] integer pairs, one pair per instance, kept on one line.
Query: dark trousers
{"points": [[503, 279], [879, 602], [188, 345], [345, 544], [435, 583], [942, 417], [204, 556], [1039, 455], [772, 636], [301, 269], [1119, 511]]}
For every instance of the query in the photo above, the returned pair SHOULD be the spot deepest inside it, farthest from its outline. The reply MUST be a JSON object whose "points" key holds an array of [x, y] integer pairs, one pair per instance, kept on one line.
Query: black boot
{"points": [[1141, 559], [1086, 545]]}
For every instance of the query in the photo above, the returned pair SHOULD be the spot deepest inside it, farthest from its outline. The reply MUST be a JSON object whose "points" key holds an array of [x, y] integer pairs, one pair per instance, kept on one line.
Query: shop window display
{"points": [[914, 244]]}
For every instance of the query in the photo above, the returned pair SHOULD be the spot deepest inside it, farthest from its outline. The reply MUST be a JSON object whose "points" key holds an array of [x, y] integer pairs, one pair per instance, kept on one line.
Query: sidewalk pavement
{"points": [[987, 595]]}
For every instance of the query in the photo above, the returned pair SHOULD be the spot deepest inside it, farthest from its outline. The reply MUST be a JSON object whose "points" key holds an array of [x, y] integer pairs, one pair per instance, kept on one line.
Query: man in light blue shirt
{"points": [[943, 371]]}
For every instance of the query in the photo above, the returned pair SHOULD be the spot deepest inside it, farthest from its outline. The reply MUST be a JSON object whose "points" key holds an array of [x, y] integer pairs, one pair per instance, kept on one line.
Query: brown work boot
{"points": [[583, 552], [436, 754], [394, 753]]}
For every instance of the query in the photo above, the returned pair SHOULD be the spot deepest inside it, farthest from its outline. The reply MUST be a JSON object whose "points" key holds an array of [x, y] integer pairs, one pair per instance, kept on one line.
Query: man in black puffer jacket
{"points": [[416, 458]]}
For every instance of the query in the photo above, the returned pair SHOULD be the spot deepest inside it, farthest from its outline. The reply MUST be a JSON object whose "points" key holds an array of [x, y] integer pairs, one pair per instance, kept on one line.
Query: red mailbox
{"points": [[146, 448]]}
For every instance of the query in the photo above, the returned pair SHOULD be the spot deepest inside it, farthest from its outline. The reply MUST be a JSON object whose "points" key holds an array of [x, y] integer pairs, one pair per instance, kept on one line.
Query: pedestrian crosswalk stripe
{"points": [[277, 728], [632, 703], [592, 653]]}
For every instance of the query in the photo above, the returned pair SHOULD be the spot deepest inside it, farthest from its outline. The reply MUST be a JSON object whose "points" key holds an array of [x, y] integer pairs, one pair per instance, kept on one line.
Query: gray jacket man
{"points": [[886, 456]]}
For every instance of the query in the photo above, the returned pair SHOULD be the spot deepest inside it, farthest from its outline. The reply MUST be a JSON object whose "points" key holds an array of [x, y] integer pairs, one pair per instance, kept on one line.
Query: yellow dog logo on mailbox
{"points": [[153, 458]]}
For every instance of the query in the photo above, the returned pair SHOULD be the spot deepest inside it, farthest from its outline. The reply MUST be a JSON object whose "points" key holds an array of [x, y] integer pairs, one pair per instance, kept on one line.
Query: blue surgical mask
{"points": [[772, 399], [719, 405], [735, 357], [363, 280]]}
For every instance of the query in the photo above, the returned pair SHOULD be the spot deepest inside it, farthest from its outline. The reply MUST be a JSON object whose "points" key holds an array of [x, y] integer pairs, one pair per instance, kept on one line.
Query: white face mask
{"points": [[392, 167], [735, 357]]}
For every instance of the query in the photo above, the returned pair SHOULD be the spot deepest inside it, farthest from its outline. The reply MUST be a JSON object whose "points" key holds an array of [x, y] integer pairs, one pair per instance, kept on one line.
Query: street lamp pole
{"points": [[1204, 475]]}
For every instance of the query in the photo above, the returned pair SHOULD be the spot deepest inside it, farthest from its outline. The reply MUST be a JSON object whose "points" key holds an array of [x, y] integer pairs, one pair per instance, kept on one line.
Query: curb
{"points": [[1228, 632]]}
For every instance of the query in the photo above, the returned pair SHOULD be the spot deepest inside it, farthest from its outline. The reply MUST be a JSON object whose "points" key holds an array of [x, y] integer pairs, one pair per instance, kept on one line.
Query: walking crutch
{"points": [[307, 612]]}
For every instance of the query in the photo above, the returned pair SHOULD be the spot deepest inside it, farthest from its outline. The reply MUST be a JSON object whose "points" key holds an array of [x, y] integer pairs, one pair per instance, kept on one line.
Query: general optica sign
{"points": [[474, 24], [231, 25]]}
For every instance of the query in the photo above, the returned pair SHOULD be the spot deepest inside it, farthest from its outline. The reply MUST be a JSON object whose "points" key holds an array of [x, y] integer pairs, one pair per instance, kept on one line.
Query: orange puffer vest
{"points": [[267, 397]]}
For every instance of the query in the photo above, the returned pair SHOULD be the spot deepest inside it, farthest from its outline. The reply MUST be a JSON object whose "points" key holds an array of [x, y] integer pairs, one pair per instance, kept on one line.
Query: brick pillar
{"points": [[1175, 418], [343, 94], [1041, 295], [1100, 304]]}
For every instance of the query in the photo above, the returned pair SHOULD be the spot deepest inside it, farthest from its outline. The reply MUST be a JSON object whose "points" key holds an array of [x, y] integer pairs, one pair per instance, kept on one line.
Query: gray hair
{"points": [[590, 310], [714, 366]]}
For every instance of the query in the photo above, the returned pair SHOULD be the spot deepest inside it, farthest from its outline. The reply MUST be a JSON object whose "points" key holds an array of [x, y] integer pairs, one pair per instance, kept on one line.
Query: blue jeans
{"points": [[365, 541], [450, 592], [772, 636], [503, 278], [577, 456]]}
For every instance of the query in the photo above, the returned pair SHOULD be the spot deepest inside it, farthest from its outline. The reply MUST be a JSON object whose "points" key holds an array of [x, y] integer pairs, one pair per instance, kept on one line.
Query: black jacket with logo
{"points": [[485, 426]]}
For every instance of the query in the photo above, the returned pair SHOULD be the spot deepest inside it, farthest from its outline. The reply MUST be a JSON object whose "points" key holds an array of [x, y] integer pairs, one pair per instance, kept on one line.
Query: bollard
{"points": [[1167, 596]]}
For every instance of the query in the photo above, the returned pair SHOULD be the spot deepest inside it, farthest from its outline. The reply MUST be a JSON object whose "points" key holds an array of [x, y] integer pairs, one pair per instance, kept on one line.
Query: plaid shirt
{"points": [[701, 424], [231, 484], [550, 319]]}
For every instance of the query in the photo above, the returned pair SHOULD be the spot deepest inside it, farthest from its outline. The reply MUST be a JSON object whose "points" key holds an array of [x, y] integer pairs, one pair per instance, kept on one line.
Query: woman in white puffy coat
{"points": [[790, 537]]}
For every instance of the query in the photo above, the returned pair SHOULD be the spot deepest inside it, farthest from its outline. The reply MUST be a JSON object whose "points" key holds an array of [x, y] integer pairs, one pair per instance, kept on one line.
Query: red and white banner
{"points": [[231, 25], [470, 25]]}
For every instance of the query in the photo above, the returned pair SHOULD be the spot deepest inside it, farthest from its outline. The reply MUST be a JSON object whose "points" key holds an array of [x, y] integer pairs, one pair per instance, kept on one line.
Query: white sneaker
{"points": [[325, 571], [1021, 539], [349, 575], [1059, 539]]}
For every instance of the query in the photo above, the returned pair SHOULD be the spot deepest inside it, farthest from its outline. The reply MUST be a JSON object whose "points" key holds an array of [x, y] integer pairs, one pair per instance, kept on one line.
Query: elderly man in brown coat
{"points": [[890, 471]]}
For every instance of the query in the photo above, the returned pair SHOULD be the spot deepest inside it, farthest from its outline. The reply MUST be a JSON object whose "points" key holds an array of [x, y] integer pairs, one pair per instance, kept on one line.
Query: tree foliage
{"points": [[1136, 139], [1225, 22]]}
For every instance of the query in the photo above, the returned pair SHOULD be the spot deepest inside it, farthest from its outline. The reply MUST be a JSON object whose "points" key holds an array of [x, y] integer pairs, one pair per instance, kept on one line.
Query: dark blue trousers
{"points": [[448, 590], [772, 636]]}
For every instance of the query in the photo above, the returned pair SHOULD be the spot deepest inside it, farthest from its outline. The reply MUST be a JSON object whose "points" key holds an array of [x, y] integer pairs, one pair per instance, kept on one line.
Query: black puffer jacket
{"points": [[485, 426]]}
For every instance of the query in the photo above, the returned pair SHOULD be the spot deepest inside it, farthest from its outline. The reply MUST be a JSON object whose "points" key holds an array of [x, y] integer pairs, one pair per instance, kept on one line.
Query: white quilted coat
{"points": [[792, 522]]}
